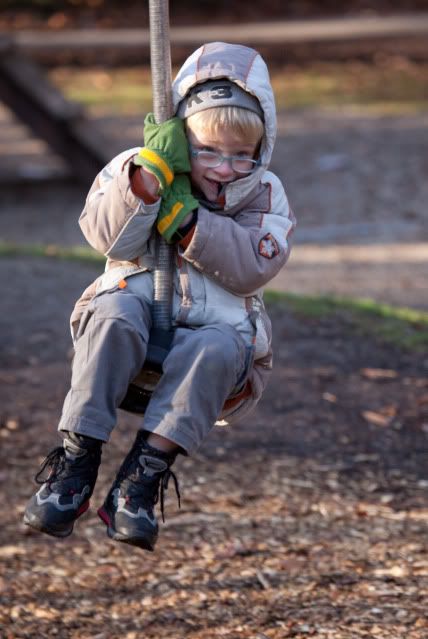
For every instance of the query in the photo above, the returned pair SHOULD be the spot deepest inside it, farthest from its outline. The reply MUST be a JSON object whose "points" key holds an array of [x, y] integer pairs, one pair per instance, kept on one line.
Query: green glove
{"points": [[166, 150], [177, 202]]}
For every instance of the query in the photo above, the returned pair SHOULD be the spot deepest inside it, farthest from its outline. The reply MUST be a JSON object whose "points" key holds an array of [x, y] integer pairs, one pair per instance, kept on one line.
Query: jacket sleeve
{"points": [[243, 253], [114, 221]]}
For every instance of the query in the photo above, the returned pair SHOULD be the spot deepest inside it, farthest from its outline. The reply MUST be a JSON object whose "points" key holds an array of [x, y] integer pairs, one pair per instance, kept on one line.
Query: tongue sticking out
{"points": [[215, 185], [218, 191], [221, 199], [221, 189]]}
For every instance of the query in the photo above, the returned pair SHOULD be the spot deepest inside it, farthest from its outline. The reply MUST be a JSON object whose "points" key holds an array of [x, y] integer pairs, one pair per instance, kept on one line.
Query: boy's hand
{"points": [[177, 203], [166, 150]]}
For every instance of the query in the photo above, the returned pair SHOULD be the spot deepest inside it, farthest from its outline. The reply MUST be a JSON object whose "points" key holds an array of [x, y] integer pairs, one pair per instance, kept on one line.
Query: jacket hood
{"points": [[245, 67]]}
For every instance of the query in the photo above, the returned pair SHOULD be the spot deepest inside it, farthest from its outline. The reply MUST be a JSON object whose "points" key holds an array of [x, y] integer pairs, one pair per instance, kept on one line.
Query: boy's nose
{"points": [[224, 169]]}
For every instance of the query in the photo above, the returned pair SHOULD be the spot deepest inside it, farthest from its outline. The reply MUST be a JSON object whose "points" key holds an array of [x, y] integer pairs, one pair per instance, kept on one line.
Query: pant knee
{"points": [[220, 345], [119, 311], [224, 338]]}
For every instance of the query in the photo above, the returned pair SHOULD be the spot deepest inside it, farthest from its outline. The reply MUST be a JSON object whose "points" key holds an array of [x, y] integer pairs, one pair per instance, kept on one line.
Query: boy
{"points": [[201, 181]]}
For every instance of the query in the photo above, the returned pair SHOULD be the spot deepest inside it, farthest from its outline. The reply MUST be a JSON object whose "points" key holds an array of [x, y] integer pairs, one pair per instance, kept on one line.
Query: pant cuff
{"points": [[83, 426], [185, 443]]}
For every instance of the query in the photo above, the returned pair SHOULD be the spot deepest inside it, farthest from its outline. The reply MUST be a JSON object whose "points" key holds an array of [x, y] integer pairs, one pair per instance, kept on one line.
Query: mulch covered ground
{"points": [[308, 520]]}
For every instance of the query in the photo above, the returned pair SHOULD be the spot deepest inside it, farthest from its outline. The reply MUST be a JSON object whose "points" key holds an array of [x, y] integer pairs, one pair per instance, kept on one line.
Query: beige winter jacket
{"points": [[233, 253]]}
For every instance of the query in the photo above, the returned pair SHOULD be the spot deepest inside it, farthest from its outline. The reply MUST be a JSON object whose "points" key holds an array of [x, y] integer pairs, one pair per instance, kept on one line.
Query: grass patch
{"points": [[76, 253], [401, 326], [390, 87], [108, 92]]}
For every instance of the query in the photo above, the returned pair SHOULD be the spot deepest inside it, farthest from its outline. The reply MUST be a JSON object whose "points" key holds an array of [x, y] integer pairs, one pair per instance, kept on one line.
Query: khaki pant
{"points": [[203, 368]]}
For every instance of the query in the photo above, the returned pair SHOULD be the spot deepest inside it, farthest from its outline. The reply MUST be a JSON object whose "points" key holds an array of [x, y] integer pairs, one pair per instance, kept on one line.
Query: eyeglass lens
{"points": [[211, 159]]}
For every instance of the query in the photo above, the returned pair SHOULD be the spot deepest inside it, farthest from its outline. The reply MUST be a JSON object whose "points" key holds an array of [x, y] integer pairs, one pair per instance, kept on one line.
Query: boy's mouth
{"points": [[216, 186]]}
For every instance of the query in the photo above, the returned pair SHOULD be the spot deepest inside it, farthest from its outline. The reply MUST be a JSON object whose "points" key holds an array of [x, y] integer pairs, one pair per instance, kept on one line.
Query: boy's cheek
{"points": [[196, 175], [193, 180]]}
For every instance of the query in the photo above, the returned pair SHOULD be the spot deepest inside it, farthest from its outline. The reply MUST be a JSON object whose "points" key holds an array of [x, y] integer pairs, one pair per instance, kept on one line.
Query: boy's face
{"points": [[211, 180]]}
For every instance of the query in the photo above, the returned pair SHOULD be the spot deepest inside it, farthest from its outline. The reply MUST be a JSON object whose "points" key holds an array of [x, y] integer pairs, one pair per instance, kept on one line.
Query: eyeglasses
{"points": [[212, 160]]}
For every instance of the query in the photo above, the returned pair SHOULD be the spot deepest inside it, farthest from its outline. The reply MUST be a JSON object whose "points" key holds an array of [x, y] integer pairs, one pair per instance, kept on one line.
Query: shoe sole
{"points": [[35, 523], [118, 536]]}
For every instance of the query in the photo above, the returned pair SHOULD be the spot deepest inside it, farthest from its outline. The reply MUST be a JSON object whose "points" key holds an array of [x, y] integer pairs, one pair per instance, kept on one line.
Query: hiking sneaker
{"points": [[128, 510], [64, 495]]}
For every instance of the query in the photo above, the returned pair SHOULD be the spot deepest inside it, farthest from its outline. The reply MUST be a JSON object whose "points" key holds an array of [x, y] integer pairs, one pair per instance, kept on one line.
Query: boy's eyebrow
{"points": [[204, 145]]}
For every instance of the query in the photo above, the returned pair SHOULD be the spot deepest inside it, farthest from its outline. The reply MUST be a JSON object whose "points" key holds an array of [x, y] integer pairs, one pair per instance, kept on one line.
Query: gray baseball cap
{"points": [[215, 93]]}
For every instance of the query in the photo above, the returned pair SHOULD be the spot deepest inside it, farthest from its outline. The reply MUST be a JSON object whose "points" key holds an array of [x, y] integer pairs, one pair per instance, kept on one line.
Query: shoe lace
{"points": [[54, 460], [163, 485], [57, 460], [159, 486]]}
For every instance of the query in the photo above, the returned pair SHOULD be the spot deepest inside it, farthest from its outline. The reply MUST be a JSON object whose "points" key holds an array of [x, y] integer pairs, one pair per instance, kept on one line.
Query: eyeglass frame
{"points": [[225, 158]]}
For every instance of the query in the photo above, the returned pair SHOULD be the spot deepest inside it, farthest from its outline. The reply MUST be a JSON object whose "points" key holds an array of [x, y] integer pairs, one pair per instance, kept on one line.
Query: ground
{"points": [[308, 519]]}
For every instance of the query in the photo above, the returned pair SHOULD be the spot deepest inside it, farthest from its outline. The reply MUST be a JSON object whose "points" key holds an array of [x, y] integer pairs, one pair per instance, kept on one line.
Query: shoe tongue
{"points": [[152, 465], [73, 450]]}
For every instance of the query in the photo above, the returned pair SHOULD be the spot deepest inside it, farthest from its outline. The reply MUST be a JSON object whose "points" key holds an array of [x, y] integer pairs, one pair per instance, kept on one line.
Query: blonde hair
{"points": [[244, 124]]}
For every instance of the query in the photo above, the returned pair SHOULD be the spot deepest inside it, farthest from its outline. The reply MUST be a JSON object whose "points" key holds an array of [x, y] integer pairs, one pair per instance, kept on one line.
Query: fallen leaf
{"points": [[329, 397], [393, 571], [378, 419], [378, 373], [12, 551]]}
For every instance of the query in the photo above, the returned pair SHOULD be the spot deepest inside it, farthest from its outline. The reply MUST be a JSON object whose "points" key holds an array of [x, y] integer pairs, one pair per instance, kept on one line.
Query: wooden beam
{"points": [[25, 89]]}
